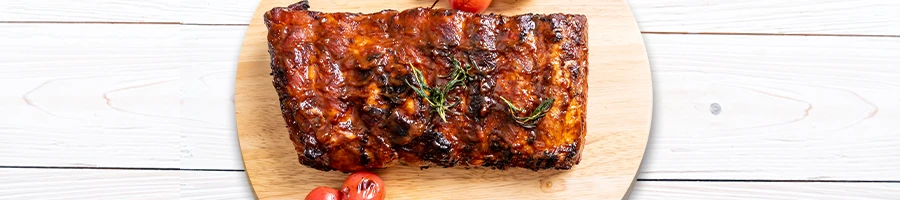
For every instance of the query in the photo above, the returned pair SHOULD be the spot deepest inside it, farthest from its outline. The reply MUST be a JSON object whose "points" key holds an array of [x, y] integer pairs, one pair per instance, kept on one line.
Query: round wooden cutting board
{"points": [[620, 105]]}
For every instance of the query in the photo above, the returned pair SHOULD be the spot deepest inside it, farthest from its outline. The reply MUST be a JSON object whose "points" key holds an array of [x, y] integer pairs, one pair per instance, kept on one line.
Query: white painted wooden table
{"points": [[110, 99]]}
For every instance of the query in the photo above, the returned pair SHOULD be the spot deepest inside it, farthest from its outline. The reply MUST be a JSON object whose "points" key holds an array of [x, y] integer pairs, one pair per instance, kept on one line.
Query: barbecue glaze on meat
{"points": [[343, 82]]}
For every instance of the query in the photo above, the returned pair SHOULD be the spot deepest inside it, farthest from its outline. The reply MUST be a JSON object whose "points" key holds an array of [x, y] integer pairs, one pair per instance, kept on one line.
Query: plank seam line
{"points": [[85, 22], [123, 168], [203, 24], [767, 34], [675, 33], [769, 181], [642, 32], [644, 180]]}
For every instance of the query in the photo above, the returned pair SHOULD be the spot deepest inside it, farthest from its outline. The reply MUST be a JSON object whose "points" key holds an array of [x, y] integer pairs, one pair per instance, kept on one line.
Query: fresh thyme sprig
{"points": [[437, 96], [531, 120]]}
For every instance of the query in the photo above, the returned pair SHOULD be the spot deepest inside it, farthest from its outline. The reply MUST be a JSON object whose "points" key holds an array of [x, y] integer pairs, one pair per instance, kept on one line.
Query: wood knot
{"points": [[715, 108]]}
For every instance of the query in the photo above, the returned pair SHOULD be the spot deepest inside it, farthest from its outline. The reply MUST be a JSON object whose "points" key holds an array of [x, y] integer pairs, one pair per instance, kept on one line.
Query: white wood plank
{"points": [[89, 184], [866, 17], [208, 135], [90, 10], [772, 191], [218, 11], [791, 107], [215, 185], [89, 95], [765, 85], [122, 184]]}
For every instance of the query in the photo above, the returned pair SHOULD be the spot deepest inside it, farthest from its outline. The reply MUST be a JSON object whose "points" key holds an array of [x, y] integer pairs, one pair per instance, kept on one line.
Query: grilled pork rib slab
{"points": [[346, 84]]}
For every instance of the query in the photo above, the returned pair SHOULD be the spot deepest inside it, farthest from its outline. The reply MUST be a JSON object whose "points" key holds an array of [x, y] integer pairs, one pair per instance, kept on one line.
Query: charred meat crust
{"points": [[340, 79]]}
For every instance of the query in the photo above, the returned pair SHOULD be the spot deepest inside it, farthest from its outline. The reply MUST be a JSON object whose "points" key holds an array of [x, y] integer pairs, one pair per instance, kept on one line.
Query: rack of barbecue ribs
{"points": [[430, 87]]}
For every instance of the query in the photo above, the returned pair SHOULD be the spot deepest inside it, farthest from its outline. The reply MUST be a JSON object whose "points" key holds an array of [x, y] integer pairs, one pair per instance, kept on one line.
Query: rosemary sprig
{"points": [[531, 120], [437, 96], [459, 72]]}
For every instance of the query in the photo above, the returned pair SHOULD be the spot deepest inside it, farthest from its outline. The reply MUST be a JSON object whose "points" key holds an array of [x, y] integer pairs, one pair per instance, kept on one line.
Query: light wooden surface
{"points": [[95, 51], [618, 111]]}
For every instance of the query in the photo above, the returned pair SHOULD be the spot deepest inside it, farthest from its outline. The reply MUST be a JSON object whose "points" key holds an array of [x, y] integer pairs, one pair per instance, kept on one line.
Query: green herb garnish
{"points": [[437, 96], [536, 114]]}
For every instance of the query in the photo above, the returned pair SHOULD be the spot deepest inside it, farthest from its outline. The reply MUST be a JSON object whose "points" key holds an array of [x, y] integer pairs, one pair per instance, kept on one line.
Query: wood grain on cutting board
{"points": [[619, 113]]}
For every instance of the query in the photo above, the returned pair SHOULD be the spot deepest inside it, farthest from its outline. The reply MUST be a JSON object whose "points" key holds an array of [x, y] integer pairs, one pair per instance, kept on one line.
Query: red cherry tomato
{"points": [[324, 193], [475, 6], [363, 186]]}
